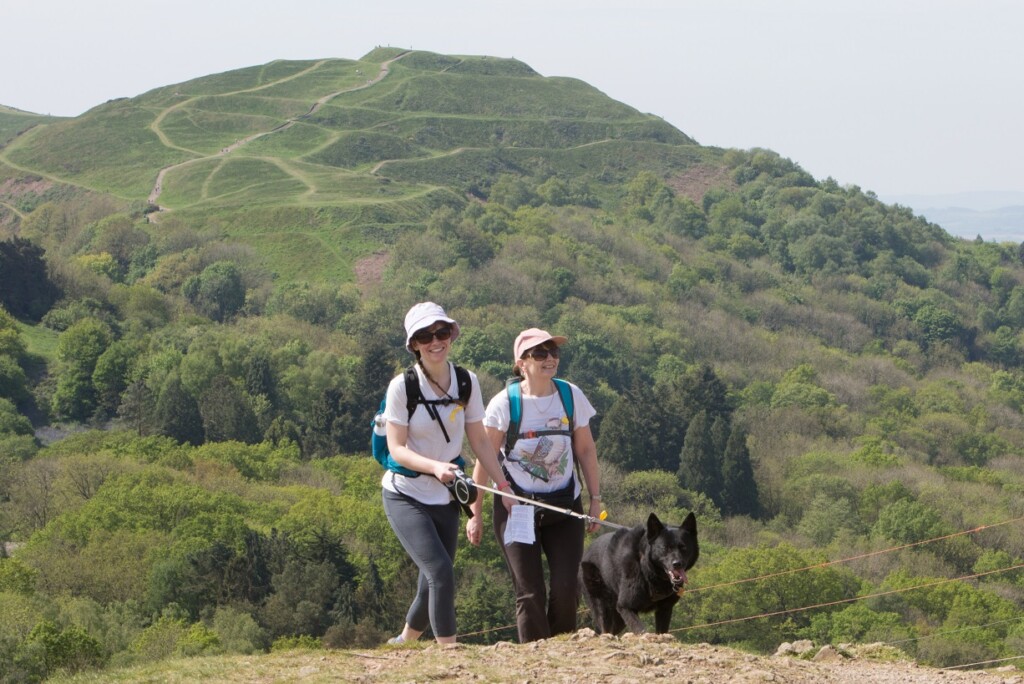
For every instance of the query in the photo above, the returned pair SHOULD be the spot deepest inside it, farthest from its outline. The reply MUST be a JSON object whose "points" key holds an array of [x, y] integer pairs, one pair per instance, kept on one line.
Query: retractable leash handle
{"points": [[565, 511], [463, 488]]}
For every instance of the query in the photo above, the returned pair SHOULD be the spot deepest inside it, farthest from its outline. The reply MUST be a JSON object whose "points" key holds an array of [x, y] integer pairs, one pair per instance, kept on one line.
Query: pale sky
{"points": [[895, 96]]}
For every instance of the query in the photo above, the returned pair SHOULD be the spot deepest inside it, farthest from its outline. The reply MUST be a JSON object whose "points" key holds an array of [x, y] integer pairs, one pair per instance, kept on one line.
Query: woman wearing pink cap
{"points": [[540, 462], [428, 440]]}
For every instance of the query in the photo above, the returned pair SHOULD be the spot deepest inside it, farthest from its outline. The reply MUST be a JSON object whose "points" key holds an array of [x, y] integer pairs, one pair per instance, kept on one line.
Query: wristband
{"points": [[595, 497], [503, 485]]}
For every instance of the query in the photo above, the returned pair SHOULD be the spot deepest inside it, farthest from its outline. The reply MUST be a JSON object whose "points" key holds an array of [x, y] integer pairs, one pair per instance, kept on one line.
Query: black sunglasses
{"points": [[425, 336], [540, 354]]}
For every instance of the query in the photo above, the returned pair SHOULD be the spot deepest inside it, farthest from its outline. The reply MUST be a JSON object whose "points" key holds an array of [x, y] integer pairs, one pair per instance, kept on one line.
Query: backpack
{"points": [[414, 397], [515, 409]]}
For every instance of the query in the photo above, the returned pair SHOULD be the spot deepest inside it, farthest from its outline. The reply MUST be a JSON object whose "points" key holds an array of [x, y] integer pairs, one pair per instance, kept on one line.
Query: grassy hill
{"points": [[306, 154], [13, 122]]}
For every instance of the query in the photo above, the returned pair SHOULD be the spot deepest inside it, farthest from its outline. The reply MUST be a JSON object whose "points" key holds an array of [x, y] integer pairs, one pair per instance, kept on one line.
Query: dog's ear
{"points": [[690, 524], [654, 527]]}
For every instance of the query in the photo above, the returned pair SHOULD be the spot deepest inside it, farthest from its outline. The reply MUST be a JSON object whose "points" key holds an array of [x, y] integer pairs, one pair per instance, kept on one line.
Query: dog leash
{"points": [[463, 486]]}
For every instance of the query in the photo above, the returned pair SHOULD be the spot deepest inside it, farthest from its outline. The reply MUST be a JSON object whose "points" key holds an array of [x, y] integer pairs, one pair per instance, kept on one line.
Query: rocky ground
{"points": [[586, 657], [581, 657]]}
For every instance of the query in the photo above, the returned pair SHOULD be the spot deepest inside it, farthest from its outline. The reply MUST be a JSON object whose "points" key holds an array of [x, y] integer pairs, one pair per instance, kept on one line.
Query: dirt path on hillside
{"points": [[157, 190]]}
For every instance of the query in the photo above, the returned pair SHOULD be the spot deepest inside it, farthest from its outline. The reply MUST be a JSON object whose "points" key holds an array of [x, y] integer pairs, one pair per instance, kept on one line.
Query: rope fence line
{"points": [[848, 600], [983, 662], [584, 609], [826, 564], [953, 631]]}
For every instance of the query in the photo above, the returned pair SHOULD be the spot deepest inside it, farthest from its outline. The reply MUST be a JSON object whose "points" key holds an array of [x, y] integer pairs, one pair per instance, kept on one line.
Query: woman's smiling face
{"points": [[433, 343], [540, 361]]}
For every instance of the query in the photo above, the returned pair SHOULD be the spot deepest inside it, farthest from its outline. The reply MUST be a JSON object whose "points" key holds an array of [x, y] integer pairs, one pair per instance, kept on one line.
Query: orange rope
{"points": [[852, 558], [984, 662], [849, 600], [812, 567]]}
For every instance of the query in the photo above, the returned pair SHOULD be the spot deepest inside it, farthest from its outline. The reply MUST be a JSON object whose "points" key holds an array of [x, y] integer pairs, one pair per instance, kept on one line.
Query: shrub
{"points": [[238, 631], [16, 577], [291, 643], [49, 649]]}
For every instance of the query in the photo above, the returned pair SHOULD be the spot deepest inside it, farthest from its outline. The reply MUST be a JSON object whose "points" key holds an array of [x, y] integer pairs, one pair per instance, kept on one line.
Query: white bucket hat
{"points": [[424, 315]]}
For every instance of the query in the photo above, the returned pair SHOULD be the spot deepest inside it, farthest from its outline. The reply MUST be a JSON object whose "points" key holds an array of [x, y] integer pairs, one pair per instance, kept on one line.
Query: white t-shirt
{"points": [[545, 463], [425, 436]]}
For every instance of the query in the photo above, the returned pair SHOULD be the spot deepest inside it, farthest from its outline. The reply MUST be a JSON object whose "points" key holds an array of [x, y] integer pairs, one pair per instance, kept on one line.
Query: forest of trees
{"points": [[814, 373]]}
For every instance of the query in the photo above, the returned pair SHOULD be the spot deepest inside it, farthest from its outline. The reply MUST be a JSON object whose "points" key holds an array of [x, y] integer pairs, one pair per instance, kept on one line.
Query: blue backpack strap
{"points": [[515, 412], [565, 394]]}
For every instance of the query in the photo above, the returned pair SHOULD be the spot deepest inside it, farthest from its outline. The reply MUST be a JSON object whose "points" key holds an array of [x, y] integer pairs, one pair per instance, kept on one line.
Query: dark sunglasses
{"points": [[541, 354], [425, 336]]}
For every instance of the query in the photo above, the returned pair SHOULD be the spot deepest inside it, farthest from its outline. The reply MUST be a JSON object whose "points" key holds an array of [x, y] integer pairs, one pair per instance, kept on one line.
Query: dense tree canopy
{"points": [[814, 373]]}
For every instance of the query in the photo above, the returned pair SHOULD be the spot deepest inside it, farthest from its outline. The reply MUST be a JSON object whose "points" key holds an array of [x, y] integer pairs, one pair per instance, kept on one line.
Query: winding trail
{"points": [[155, 126], [13, 209]]}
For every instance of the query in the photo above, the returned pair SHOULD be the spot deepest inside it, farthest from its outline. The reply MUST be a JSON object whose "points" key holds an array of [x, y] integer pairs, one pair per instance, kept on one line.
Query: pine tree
{"points": [[356, 408], [137, 407], [677, 401], [26, 290], [699, 465], [177, 413], [631, 434], [227, 414], [739, 489], [719, 439]]}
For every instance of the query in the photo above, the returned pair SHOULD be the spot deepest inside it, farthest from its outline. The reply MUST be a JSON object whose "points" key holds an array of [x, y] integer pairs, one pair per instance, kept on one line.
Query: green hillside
{"points": [[833, 385], [13, 122], [371, 136]]}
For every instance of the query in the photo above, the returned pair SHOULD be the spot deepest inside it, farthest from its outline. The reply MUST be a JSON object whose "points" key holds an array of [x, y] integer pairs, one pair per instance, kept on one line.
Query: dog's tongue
{"points": [[678, 577]]}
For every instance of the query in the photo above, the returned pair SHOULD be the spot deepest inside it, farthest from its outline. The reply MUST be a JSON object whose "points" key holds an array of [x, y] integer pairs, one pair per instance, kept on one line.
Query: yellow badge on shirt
{"points": [[455, 411]]}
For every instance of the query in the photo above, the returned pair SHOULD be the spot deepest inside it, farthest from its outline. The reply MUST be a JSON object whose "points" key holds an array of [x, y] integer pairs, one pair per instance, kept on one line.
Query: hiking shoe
{"points": [[396, 640]]}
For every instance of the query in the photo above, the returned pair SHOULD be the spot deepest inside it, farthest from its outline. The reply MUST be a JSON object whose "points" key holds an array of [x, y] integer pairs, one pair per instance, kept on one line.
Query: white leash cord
{"points": [[565, 511]]}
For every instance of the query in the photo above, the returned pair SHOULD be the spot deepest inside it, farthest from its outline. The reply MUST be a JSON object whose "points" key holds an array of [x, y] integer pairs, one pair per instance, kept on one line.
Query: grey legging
{"points": [[429, 535]]}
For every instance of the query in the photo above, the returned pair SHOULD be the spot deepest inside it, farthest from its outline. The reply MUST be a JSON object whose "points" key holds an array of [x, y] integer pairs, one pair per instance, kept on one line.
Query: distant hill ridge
{"points": [[995, 216], [362, 144]]}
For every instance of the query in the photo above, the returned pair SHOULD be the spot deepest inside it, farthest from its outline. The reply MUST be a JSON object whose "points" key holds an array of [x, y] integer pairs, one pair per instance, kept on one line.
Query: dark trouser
{"points": [[429, 535], [539, 616]]}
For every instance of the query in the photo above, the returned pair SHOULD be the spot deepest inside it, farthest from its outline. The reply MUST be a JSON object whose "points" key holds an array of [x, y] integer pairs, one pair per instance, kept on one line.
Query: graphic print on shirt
{"points": [[542, 464]]}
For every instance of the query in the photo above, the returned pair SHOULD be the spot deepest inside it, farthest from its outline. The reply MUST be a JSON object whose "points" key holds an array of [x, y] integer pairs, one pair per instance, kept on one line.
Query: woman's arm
{"points": [[398, 435], [474, 526], [585, 451], [485, 447]]}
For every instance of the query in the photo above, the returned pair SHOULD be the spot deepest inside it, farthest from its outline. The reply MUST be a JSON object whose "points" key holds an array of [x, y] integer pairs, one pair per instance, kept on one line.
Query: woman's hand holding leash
{"points": [[445, 472], [594, 515]]}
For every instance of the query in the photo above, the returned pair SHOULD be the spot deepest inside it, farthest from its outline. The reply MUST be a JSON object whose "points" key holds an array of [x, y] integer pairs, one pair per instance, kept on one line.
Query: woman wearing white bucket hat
{"points": [[421, 510]]}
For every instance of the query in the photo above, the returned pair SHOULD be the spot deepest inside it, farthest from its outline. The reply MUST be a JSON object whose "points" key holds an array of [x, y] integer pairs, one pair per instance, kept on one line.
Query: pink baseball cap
{"points": [[424, 315], [528, 339]]}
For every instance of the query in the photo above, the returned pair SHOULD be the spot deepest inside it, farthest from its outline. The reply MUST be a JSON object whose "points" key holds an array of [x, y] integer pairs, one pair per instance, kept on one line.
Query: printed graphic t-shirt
{"points": [[545, 463]]}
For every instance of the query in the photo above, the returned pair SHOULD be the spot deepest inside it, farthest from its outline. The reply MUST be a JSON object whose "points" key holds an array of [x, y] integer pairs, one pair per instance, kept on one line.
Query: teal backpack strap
{"points": [[515, 412], [565, 394]]}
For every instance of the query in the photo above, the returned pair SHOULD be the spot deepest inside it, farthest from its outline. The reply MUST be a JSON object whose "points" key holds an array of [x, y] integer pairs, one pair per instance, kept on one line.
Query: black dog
{"points": [[635, 571]]}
